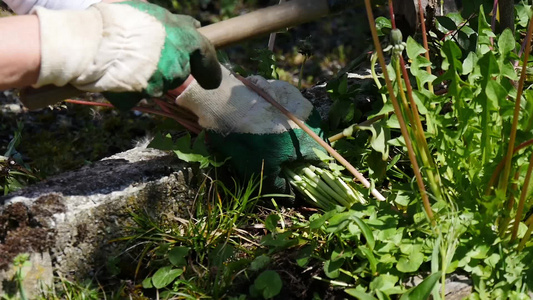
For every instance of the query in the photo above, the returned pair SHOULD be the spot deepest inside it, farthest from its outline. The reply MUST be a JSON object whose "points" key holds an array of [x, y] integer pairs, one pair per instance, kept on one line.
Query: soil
{"points": [[22, 229]]}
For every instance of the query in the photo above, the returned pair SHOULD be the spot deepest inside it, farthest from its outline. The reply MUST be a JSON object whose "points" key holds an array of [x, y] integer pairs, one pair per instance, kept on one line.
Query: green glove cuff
{"points": [[275, 150]]}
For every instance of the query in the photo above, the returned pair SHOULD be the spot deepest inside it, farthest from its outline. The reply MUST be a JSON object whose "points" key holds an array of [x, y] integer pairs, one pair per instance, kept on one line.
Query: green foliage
{"points": [[266, 63], [204, 256], [423, 290], [267, 285], [14, 172], [187, 150]]}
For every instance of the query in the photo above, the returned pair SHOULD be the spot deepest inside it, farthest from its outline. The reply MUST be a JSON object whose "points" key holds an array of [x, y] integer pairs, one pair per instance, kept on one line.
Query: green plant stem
{"points": [[397, 110], [349, 131], [522, 200], [311, 133], [20, 279], [405, 105], [431, 169], [373, 60], [301, 73], [504, 182]]}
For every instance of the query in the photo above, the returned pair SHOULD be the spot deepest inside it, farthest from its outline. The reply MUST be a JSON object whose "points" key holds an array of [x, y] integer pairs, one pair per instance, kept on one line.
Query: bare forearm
{"points": [[19, 51]]}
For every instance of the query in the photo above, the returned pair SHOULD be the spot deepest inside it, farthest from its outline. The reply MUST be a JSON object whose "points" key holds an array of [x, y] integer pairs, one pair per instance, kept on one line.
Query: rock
{"points": [[456, 287], [69, 223]]}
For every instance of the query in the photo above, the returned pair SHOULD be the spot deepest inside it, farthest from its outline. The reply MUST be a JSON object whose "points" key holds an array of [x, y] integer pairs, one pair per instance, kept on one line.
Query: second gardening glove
{"points": [[130, 49], [242, 125]]}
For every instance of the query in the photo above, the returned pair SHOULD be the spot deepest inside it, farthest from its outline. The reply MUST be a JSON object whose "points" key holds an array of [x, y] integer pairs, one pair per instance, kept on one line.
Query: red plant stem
{"points": [[391, 12], [424, 40], [509, 155], [499, 167], [304, 127], [186, 123], [398, 112], [494, 13], [433, 175], [89, 103], [162, 105]]}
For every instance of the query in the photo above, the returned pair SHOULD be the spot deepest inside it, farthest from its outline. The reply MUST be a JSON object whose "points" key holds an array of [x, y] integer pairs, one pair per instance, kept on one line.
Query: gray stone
{"points": [[74, 218], [456, 286]]}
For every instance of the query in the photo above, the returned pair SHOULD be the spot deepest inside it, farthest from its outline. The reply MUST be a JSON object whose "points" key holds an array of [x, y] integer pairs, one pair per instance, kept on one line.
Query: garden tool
{"points": [[260, 22]]}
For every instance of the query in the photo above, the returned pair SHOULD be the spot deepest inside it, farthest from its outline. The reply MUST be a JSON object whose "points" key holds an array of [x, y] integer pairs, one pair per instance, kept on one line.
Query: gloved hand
{"points": [[242, 125], [132, 48]]}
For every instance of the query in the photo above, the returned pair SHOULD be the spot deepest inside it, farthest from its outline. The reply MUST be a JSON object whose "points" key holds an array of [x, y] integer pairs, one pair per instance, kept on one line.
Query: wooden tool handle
{"points": [[221, 34]]}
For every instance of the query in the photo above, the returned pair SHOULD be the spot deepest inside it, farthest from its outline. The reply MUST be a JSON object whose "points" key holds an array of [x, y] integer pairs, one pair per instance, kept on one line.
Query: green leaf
{"points": [[195, 153], [268, 283], [495, 93], [318, 221], [279, 241], [259, 263], [411, 262], [165, 276], [383, 26], [423, 290], [469, 63], [484, 29], [271, 222], [488, 65], [413, 48], [453, 67], [506, 42], [370, 257], [332, 267], [177, 256], [383, 282], [367, 232], [304, 255], [359, 294], [380, 137], [377, 167], [161, 142], [221, 254], [147, 283], [446, 23], [523, 13]]}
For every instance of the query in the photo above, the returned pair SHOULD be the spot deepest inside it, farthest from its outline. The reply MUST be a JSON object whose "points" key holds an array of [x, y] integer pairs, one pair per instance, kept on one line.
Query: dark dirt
{"points": [[23, 230]]}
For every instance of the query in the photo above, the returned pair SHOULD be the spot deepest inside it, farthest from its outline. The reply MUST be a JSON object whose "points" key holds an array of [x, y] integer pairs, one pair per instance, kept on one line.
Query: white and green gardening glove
{"points": [[129, 49], [242, 125]]}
